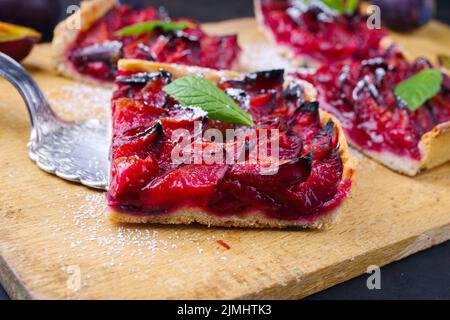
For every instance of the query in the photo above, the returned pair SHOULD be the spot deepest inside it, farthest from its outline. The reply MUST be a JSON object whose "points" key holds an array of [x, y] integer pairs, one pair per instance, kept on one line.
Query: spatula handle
{"points": [[38, 107]]}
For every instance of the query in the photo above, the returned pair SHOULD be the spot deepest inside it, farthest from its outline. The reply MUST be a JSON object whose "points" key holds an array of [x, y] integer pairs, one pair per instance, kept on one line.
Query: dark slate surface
{"points": [[207, 10], [425, 275]]}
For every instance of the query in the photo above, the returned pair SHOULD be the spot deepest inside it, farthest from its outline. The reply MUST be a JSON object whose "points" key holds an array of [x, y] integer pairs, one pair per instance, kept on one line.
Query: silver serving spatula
{"points": [[76, 151]]}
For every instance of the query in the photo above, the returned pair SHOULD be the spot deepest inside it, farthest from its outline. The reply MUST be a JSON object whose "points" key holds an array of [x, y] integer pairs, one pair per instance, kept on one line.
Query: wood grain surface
{"points": [[56, 244]]}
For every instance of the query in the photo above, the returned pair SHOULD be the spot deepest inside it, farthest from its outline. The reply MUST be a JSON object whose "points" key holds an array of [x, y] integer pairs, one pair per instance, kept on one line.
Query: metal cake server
{"points": [[76, 151]]}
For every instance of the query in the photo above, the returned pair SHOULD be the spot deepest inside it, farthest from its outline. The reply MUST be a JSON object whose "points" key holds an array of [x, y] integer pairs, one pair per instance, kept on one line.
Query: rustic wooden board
{"points": [[51, 229]]}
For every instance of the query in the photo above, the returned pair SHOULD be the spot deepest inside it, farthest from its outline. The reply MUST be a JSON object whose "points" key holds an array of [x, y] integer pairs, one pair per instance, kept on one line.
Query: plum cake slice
{"points": [[312, 33], [89, 43], [368, 97], [310, 181]]}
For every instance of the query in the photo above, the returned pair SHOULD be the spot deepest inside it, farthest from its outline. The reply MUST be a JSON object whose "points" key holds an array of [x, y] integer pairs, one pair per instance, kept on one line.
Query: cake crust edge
{"points": [[66, 34]]}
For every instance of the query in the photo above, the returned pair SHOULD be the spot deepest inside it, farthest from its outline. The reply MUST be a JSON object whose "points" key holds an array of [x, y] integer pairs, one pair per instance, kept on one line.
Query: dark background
{"points": [[216, 10], [425, 275]]}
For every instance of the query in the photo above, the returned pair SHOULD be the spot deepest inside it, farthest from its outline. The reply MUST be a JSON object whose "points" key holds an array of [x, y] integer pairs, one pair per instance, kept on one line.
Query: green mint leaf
{"points": [[166, 26], [195, 91], [342, 6], [419, 88]]}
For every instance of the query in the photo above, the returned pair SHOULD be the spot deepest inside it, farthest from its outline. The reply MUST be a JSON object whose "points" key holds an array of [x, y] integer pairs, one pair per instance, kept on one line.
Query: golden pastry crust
{"points": [[253, 219], [67, 31]]}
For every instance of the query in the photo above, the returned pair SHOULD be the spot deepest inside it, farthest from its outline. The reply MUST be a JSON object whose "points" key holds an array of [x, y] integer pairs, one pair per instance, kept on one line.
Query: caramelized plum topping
{"points": [[361, 95], [129, 175], [144, 77], [305, 121], [323, 142]]}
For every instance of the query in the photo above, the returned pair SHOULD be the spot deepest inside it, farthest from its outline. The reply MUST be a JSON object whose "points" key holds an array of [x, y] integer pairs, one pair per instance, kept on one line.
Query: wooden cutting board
{"points": [[56, 243]]}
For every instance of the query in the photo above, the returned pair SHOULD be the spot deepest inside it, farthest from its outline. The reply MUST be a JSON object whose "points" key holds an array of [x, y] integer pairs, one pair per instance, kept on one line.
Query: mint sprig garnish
{"points": [[419, 88], [342, 6], [149, 26], [195, 91]]}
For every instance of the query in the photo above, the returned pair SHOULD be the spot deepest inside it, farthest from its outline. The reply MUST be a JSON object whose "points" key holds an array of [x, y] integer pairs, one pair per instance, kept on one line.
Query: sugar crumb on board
{"points": [[79, 101]]}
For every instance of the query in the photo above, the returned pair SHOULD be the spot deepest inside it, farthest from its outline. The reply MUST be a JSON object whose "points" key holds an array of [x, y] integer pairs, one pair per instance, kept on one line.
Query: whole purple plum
{"points": [[406, 15]]}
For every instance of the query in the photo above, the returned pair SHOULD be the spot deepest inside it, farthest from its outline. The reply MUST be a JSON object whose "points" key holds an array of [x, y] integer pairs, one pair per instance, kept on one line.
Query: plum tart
{"points": [[312, 33], [314, 169], [361, 94], [89, 43]]}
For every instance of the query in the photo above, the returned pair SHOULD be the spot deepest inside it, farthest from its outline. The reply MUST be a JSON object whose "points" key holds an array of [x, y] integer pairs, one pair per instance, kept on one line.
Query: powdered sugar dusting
{"points": [[257, 57], [79, 101]]}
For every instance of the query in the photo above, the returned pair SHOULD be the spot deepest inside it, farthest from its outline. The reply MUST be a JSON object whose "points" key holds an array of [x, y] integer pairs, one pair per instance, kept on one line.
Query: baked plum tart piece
{"points": [[88, 44], [301, 182], [312, 33], [364, 96]]}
